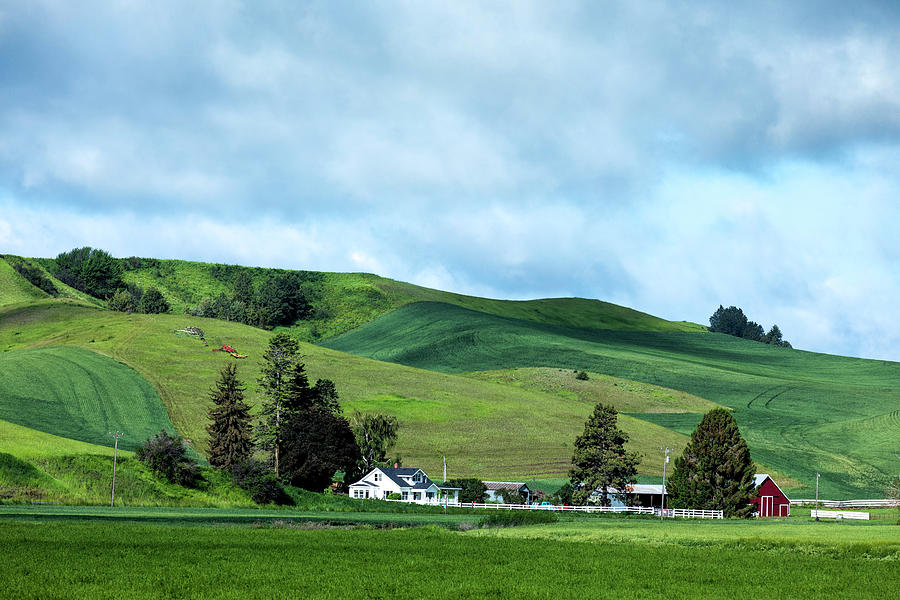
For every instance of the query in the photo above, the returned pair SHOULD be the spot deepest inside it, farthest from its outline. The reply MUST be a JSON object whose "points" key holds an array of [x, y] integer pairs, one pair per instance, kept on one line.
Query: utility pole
{"points": [[117, 435], [817, 496], [662, 502]]}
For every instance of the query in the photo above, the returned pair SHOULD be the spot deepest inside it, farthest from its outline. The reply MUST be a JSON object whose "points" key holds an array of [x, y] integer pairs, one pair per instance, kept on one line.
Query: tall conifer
{"points": [[715, 472], [229, 432], [600, 461]]}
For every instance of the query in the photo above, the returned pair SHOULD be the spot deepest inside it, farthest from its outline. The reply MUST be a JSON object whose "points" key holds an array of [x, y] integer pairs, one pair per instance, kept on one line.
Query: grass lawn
{"points": [[227, 557]]}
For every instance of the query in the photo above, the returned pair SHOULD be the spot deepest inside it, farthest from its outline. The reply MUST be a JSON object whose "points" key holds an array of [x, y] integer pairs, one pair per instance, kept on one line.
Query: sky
{"points": [[667, 156]]}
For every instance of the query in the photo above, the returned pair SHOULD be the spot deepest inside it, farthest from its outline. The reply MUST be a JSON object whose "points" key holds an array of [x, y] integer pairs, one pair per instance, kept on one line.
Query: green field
{"points": [[78, 394], [14, 288], [226, 554], [800, 412]]}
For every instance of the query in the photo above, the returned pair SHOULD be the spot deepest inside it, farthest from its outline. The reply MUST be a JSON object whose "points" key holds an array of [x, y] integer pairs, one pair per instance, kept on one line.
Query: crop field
{"points": [[78, 394], [800, 412], [225, 555]]}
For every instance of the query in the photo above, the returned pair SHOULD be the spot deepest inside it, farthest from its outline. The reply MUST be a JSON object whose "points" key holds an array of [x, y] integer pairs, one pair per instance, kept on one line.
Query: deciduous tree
{"points": [[375, 435], [601, 461], [715, 471]]}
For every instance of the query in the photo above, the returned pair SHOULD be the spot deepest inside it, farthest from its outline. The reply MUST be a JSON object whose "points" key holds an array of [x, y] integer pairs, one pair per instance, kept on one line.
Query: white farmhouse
{"points": [[413, 485]]}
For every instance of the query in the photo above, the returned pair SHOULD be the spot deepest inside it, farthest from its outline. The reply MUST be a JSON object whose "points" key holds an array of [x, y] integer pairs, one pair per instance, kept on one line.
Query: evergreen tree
{"points": [[278, 364], [715, 471], [600, 460], [229, 432]]}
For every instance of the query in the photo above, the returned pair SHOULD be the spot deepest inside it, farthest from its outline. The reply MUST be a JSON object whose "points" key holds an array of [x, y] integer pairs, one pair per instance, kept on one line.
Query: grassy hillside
{"points": [[14, 288], [800, 412], [344, 301], [484, 428], [78, 394]]}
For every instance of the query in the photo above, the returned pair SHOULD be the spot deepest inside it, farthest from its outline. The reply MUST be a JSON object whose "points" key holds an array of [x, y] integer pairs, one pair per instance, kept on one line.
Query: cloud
{"points": [[670, 157]]}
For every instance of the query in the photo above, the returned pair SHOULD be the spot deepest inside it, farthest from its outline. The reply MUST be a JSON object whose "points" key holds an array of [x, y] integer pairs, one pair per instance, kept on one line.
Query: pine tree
{"points": [[229, 432], [600, 460], [715, 471], [278, 365]]}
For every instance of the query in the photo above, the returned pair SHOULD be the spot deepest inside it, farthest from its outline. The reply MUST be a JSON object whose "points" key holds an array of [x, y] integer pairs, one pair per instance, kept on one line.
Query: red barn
{"points": [[770, 501]]}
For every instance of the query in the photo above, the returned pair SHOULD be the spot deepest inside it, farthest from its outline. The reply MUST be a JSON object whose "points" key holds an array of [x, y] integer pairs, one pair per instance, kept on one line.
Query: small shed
{"points": [[494, 490], [770, 501]]}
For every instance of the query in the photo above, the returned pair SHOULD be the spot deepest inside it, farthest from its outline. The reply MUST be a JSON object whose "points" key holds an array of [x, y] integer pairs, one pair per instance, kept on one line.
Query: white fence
{"points": [[839, 514], [849, 503], [640, 510]]}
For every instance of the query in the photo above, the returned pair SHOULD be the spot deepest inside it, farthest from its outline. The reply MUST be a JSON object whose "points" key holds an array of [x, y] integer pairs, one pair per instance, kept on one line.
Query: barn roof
{"points": [[760, 478], [504, 485]]}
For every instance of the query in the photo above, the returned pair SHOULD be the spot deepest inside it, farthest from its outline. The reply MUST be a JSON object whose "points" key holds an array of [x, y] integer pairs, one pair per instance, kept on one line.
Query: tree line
{"points": [[276, 299], [300, 438], [733, 321], [97, 273]]}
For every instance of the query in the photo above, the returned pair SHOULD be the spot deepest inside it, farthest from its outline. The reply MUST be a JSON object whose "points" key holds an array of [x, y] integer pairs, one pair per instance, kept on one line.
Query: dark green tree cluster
{"points": [[90, 270], [133, 298], [34, 274], [715, 471], [277, 300], [600, 461], [733, 321], [301, 430]]}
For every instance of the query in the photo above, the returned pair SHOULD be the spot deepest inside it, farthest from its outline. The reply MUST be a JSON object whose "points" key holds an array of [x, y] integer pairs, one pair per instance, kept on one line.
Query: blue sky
{"points": [[667, 156]]}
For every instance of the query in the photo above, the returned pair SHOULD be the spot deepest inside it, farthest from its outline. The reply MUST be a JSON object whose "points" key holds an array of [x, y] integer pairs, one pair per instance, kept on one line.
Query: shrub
{"points": [[514, 518], [166, 455], [581, 376], [260, 482], [122, 301], [153, 302], [394, 496]]}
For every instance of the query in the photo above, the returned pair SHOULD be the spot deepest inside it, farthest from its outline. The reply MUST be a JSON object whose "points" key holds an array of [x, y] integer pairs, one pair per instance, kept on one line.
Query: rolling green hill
{"points": [[484, 428], [344, 301], [800, 412], [488, 383]]}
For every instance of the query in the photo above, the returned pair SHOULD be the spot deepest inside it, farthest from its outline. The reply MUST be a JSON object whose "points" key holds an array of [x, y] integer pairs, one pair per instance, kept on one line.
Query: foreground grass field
{"points": [[801, 412], [274, 557]]}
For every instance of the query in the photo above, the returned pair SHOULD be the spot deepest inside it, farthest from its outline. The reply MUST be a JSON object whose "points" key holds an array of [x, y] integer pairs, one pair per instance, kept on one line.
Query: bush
{"points": [[122, 301], [153, 302], [166, 455], [514, 518], [394, 496], [581, 376], [260, 482]]}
